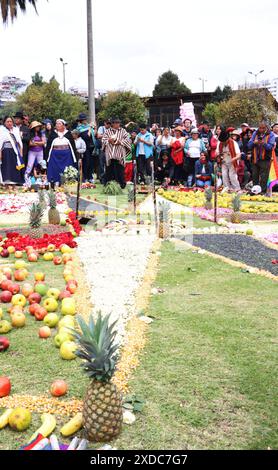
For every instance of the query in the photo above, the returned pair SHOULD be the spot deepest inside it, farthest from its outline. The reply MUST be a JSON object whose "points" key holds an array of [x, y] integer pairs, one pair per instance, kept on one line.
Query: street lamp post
{"points": [[64, 73], [203, 80], [91, 75], [256, 75]]}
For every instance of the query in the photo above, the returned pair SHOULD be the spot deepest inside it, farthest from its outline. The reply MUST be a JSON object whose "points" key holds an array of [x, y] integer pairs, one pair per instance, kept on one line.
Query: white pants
{"points": [[229, 175]]}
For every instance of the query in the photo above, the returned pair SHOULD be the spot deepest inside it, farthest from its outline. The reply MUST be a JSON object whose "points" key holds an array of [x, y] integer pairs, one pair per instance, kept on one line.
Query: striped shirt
{"points": [[120, 149]]}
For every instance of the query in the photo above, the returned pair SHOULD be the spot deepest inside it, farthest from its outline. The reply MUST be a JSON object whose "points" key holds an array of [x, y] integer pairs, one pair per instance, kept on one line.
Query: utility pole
{"points": [[64, 73], [203, 80], [256, 75], [91, 75]]}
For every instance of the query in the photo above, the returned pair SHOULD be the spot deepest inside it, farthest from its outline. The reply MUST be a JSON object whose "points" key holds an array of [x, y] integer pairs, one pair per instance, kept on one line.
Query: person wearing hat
{"points": [[177, 156], [11, 160], [116, 144], [24, 134], [87, 133], [36, 148], [144, 152], [60, 152], [242, 171], [229, 152], [193, 148]]}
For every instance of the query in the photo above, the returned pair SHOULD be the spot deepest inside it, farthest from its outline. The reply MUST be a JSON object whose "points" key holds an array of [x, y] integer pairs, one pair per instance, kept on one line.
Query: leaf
{"points": [[138, 407], [128, 406]]}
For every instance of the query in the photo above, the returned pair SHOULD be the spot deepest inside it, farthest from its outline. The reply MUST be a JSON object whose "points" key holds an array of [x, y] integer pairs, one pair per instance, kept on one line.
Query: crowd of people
{"points": [[197, 157]]}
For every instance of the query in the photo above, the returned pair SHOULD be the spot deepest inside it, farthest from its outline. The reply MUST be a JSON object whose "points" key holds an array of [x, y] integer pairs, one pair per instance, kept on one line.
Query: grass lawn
{"points": [[33, 364], [209, 372], [120, 201]]}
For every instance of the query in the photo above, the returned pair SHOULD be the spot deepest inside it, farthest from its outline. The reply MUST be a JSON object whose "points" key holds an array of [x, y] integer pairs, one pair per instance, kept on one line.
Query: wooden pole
{"points": [[79, 180], [135, 185], [154, 198], [215, 193]]}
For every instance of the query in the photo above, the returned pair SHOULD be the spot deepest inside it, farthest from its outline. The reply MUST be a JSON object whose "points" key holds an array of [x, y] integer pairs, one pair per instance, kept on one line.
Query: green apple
{"points": [[68, 320], [41, 289], [53, 293], [67, 350], [68, 306], [51, 320], [66, 330], [5, 327], [63, 222], [61, 338], [50, 305]]}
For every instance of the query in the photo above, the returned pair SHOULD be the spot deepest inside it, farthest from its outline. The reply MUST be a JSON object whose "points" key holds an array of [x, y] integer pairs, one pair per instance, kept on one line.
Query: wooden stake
{"points": [[215, 193], [154, 198], [78, 186]]}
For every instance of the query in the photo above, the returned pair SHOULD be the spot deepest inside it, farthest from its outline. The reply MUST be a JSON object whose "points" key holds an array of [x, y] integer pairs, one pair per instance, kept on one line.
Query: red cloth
{"points": [[213, 147], [240, 171], [178, 157], [128, 172]]}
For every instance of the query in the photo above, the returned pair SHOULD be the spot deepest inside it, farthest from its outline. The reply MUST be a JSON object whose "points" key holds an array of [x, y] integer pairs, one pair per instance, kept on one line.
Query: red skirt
{"points": [[128, 172]]}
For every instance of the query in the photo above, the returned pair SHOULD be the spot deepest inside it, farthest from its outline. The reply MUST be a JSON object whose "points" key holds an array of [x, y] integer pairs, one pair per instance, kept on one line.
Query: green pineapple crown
{"points": [[36, 215], [97, 347], [236, 202], [164, 211], [52, 199], [208, 194], [112, 188]]}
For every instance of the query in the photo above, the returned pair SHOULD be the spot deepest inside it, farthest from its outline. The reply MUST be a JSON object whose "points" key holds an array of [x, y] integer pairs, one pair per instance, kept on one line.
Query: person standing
{"points": [[86, 132], [24, 134], [36, 148], [11, 156], [101, 154], [144, 152], [116, 144], [275, 132], [187, 128], [229, 152], [193, 149], [261, 145], [177, 156], [60, 152]]}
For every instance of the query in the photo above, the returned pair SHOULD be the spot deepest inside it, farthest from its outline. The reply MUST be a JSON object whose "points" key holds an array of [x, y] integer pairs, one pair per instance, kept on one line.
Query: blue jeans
{"points": [[202, 184]]}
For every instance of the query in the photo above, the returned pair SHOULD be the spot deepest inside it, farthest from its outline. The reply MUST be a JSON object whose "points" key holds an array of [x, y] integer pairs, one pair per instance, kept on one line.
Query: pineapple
{"points": [[164, 230], [102, 409], [53, 214], [42, 198], [208, 196], [236, 217], [35, 221]]}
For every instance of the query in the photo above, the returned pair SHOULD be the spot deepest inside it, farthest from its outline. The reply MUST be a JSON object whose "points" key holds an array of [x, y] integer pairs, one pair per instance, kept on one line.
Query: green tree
{"points": [[251, 106], [211, 113], [49, 101], [169, 84], [37, 79], [222, 94], [125, 105], [10, 8]]}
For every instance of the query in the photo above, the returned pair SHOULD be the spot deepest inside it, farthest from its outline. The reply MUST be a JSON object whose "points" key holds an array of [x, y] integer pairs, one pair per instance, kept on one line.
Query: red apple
{"points": [[6, 297], [34, 298], [18, 254], [40, 313], [71, 287], [33, 308], [5, 284], [33, 257], [58, 388], [65, 294], [4, 343], [44, 332], [57, 260], [14, 288], [27, 290], [5, 387], [66, 258], [19, 275], [5, 253]]}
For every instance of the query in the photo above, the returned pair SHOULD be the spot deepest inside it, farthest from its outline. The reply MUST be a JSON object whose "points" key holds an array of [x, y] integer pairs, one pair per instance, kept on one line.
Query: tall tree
{"points": [[37, 79], [169, 84], [222, 94], [125, 105], [11, 7]]}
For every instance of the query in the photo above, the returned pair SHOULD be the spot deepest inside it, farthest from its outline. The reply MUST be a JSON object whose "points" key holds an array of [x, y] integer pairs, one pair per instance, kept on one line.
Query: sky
{"points": [[135, 42]]}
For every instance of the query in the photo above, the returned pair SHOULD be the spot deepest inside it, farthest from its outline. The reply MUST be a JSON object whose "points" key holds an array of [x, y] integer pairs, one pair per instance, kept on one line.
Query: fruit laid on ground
{"points": [[5, 327], [53, 213], [66, 258], [51, 320], [20, 419], [44, 332], [18, 320], [1, 313], [64, 295], [249, 232], [6, 297], [68, 306], [102, 409], [61, 338], [51, 248], [41, 289], [48, 257], [5, 284], [35, 220], [39, 276], [4, 253], [34, 298], [57, 260], [50, 304], [67, 350], [59, 388], [4, 418], [33, 308], [19, 299], [19, 275], [74, 425], [65, 249], [47, 427], [71, 287], [11, 249], [4, 344], [7, 272], [67, 321], [27, 289], [14, 288], [40, 314], [53, 293], [5, 387], [18, 254], [15, 309], [236, 216], [20, 264], [33, 258]]}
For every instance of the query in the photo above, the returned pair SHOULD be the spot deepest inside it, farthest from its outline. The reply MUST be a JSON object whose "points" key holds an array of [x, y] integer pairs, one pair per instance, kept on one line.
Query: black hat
{"points": [[19, 115], [115, 120], [82, 117], [224, 136]]}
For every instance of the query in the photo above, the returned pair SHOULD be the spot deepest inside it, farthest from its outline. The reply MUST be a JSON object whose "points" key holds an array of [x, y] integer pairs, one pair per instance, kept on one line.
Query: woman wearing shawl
{"points": [[87, 133], [11, 153], [60, 151], [177, 154]]}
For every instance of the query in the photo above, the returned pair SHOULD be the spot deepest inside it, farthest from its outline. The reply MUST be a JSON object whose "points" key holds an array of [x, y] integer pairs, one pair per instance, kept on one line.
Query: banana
{"points": [[47, 427], [4, 419], [72, 426]]}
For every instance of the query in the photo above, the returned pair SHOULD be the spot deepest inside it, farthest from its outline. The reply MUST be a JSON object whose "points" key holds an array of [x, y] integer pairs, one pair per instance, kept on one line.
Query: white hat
{"points": [[195, 131], [256, 189]]}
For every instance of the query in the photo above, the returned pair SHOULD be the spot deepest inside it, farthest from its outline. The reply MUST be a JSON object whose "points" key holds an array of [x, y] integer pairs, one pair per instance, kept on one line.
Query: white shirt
{"points": [[194, 149], [164, 141]]}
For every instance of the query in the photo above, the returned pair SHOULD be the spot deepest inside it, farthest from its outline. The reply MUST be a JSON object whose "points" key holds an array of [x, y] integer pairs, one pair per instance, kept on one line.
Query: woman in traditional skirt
{"points": [[11, 149], [60, 151]]}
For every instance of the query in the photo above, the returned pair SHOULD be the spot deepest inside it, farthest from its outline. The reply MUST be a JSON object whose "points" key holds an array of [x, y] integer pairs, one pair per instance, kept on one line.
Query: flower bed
{"points": [[12, 203], [272, 238], [20, 242]]}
